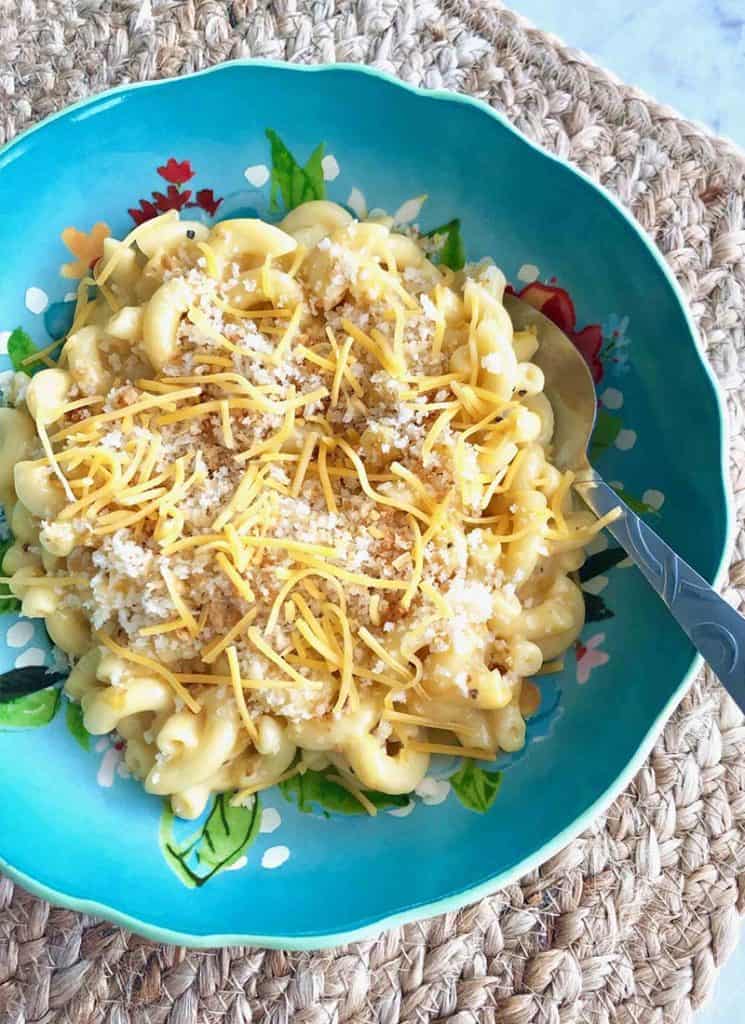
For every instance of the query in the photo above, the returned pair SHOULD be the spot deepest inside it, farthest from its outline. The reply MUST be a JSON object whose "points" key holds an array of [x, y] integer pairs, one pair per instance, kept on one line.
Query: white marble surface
{"points": [[689, 54]]}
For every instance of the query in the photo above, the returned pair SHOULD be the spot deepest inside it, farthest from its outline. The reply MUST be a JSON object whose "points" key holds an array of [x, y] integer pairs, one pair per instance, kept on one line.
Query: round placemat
{"points": [[631, 921]]}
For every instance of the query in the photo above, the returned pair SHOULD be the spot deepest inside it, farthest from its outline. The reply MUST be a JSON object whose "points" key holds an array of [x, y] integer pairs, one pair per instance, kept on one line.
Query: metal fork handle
{"points": [[713, 626]]}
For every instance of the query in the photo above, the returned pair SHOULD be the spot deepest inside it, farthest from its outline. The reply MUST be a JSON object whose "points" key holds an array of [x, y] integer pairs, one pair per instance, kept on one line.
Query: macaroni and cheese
{"points": [[287, 501]]}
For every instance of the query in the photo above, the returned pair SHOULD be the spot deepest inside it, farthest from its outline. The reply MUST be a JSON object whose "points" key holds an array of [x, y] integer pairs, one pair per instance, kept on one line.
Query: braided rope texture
{"points": [[631, 921]]}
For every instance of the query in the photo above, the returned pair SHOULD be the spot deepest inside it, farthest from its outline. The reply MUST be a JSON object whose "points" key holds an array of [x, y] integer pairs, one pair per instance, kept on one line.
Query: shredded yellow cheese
{"points": [[237, 683], [318, 643], [306, 454], [210, 259], [211, 652], [370, 491], [451, 749], [434, 432], [205, 678], [149, 402], [155, 667], [162, 627], [243, 794], [347, 691], [381, 352], [262, 646], [272, 444], [557, 501], [549, 668], [227, 428], [354, 791], [179, 603], [46, 445], [427, 723], [418, 550], [341, 366], [356, 577], [377, 648], [241, 585], [323, 473], [437, 599], [289, 333]]}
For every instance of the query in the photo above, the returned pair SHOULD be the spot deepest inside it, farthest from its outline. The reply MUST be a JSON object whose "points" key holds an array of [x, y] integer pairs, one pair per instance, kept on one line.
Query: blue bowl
{"points": [[73, 829]]}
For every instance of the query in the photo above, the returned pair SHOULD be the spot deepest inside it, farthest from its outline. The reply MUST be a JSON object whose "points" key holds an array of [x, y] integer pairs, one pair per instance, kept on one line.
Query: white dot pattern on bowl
{"points": [[655, 499], [330, 167], [237, 865], [257, 175], [357, 203], [625, 440], [108, 766], [20, 633], [275, 857], [528, 273], [612, 398], [36, 300], [270, 820], [33, 656], [433, 791]]}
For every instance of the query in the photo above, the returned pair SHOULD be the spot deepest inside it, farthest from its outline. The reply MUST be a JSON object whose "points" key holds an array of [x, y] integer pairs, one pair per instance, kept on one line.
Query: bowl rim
{"points": [[461, 896]]}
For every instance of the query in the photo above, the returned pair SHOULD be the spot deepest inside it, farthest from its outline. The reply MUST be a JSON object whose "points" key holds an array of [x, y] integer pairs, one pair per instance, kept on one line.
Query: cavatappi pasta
{"points": [[287, 502]]}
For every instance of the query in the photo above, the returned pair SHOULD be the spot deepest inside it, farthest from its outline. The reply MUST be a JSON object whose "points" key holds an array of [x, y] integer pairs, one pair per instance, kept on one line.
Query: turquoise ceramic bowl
{"points": [[72, 828]]}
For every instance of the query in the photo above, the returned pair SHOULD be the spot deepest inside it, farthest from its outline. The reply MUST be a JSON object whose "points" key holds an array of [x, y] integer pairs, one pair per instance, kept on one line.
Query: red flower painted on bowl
{"points": [[206, 200], [589, 341], [557, 305], [176, 172], [145, 211], [172, 200]]}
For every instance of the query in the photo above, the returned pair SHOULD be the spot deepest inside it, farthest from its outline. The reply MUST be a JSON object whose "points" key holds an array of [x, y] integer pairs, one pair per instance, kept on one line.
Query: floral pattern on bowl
{"points": [[451, 166]]}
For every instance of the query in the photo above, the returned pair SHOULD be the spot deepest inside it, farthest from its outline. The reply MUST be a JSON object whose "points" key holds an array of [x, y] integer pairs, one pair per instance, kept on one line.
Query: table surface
{"points": [[689, 54]]}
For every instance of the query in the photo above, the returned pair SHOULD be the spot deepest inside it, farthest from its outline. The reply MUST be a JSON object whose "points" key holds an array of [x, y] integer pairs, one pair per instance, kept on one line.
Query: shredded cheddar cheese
{"points": [[211, 260], [237, 683], [452, 750], [153, 666]]}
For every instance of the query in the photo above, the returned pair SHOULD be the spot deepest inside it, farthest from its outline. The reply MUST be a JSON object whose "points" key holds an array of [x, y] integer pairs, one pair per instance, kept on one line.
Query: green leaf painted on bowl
{"points": [[453, 251], [224, 837], [595, 608], [74, 722], [476, 788], [313, 790], [227, 832], [30, 712], [597, 564], [297, 184], [607, 429], [8, 602], [20, 347], [175, 855]]}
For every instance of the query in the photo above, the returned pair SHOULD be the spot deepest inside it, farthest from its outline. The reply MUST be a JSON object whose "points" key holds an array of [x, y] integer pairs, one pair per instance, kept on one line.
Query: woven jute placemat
{"points": [[632, 920]]}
